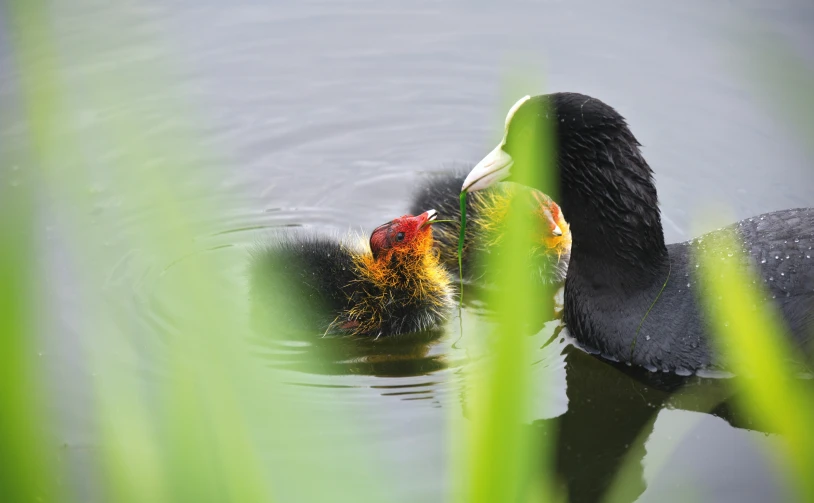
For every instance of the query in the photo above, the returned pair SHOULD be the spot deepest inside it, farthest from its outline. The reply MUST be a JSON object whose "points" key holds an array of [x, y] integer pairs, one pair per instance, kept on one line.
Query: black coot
{"points": [[619, 261]]}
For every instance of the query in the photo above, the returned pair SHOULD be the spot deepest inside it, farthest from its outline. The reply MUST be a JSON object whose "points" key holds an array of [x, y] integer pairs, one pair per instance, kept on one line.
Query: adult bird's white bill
{"points": [[496, 166]]}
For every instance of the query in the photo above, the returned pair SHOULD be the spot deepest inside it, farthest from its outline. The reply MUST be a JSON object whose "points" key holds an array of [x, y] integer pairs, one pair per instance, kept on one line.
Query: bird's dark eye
{"points": [[400, 236]]}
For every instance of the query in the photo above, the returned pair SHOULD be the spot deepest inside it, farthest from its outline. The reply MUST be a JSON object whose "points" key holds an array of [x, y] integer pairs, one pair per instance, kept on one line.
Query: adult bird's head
{"points": [[520, 142], [600, 179], [560, 130]]}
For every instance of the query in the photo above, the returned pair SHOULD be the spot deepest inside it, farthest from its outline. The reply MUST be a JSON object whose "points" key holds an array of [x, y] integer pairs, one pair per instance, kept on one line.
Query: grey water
{"points": [[324, 115]]}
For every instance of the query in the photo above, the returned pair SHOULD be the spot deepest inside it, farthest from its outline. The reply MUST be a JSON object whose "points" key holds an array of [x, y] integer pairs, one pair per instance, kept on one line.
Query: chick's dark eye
{"points": [[400, 236]]}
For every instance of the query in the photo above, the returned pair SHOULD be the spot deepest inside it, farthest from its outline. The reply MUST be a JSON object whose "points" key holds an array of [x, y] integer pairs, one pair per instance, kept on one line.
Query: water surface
{"points": [[323, 115]]}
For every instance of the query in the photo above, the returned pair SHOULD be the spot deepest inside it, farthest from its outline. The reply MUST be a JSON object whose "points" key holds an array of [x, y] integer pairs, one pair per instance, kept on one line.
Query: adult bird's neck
{"points": [[608, 196]]}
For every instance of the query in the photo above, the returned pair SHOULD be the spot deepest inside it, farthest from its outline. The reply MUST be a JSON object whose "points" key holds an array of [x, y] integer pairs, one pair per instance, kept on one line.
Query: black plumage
{"points": [[619, 260]]}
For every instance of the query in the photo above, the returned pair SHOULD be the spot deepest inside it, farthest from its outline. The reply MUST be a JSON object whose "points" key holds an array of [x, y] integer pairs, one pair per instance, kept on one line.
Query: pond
{"points": [[325, 115]]}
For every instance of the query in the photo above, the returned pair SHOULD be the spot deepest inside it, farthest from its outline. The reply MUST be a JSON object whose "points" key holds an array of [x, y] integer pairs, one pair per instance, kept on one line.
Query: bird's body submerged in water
{"points": [[628, 295], [393, 285], [548, 245]]}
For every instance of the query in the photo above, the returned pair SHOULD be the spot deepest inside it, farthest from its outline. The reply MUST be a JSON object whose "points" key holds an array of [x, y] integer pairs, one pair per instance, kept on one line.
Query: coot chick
{"points": [[549, 246], [393, 285], [619, 261]]}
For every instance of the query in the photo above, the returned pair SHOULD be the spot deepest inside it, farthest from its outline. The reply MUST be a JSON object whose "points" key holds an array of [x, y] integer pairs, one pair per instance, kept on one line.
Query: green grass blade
{"points": [[461, 238], [508, 460], [28, 472]]}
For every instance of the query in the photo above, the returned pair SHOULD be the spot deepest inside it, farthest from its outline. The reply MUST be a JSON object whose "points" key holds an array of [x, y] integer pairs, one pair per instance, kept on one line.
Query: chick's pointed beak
{"points": [[496, 166], [429, 217]]}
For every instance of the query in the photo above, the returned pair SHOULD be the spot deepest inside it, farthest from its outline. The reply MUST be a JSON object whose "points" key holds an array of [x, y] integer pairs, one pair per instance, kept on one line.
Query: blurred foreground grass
{"points": [[195, 432], [202, 430], [28, 471], [751, 334], [507, 460]]}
